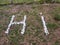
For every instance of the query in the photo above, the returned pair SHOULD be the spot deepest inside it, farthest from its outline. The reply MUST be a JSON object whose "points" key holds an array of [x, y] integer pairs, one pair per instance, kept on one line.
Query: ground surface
{"points": [[34, 34]]}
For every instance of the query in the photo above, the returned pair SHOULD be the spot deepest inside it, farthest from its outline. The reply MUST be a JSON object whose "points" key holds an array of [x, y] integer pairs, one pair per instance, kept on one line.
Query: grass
{"points": [[4, 1], [34, 25], [27, 1], [57, 17], [18, 1], [57, 43], [15, 36], [56, 14], [52, 25]]}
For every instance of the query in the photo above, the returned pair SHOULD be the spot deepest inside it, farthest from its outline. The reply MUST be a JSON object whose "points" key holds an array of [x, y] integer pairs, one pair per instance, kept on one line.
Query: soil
{"points": [[33, 24]]}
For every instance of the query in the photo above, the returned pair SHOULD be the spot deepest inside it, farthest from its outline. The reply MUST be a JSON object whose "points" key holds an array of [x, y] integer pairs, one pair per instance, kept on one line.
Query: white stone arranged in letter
{"points": [[7, 31], [24, 25], [21, 22], [44, 24]]}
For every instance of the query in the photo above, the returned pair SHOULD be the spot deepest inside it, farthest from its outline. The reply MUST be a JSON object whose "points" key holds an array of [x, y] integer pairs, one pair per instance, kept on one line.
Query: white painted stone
{"points": [[7, 31], [24, 25], [21, 22], [40, 13], [44, 24]]}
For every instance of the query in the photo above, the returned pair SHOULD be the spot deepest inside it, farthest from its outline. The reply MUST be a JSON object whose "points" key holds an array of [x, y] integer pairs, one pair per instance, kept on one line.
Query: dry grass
{"points": [[34, 33]]}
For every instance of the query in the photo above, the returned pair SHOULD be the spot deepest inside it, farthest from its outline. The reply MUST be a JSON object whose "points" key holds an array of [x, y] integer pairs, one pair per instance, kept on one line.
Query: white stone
{"points": [[44, 24], [7, 31], [40, 13], [21, 22]]}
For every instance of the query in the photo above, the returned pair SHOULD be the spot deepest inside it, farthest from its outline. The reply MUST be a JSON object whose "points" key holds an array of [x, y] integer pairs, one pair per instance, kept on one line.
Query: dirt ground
{"points": [[34, 34]]}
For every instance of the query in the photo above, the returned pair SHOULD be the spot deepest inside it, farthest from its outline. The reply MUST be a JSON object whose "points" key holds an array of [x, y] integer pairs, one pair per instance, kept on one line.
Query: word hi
{"points": [[24, 24], [21, 22]]}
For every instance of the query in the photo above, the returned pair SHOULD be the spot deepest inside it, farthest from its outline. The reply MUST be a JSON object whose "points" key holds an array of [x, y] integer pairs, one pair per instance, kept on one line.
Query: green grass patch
{"points": [[57, 17], [52, 25], [33, 43], [18, 1], [22, 1], [4, 1]]}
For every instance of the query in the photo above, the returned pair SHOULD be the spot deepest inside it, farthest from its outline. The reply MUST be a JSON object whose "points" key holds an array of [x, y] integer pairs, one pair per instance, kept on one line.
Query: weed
{"points": [[52, 25], [57, 17]]}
